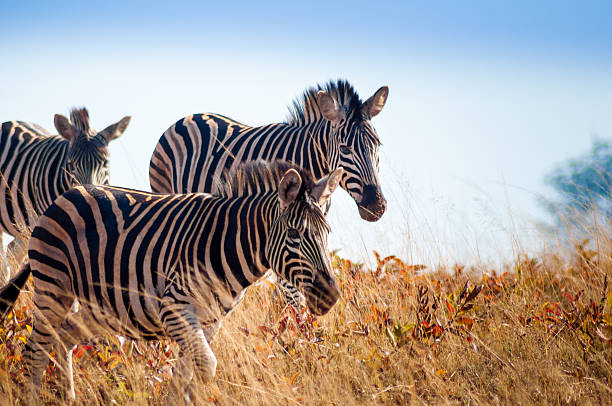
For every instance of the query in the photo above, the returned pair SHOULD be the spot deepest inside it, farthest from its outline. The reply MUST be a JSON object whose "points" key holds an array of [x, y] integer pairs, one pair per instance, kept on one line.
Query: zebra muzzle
{"points": [[373, 204], [322, 297]]}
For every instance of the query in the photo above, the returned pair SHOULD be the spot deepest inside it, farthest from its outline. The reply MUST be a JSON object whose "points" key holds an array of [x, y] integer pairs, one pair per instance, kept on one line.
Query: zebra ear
{"points": [[375, 104], [329, 107], [289, 188], [64, 127], [324, 188], [114, 131]]}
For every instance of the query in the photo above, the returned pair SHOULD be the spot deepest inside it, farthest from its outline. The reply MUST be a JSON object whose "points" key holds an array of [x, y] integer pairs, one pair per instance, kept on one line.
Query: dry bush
{"points": [[538, 331]]}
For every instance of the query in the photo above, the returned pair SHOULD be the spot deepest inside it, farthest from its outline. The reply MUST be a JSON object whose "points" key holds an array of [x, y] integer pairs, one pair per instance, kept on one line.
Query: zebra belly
{"points": [[94, 313], [101, 320], [110, 324], [105, 320]]}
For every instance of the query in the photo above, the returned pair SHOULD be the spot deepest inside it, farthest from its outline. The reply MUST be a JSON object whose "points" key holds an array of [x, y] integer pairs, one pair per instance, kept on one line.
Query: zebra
{"points": [[37, 167], [328, 127], [153, 266]]}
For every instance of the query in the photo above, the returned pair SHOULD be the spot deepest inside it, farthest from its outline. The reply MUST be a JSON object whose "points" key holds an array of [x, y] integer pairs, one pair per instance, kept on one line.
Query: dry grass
{"points": [[537, 332]]}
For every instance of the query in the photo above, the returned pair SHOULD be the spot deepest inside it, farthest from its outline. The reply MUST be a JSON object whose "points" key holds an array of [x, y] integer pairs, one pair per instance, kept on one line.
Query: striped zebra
{"points": [[152, 266], [328, 128], [37, 167]]}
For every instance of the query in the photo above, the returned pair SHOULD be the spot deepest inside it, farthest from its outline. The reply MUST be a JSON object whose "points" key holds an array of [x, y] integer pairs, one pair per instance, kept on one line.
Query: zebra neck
{"points": [[245, 230], [65, 179], [56, 179], [266, 212], [315, 138]]}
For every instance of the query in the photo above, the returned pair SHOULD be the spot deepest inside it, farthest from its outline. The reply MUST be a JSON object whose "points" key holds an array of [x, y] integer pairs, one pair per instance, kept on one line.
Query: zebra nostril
{"points": [[373, 203], [322, 296], [371, 195]]}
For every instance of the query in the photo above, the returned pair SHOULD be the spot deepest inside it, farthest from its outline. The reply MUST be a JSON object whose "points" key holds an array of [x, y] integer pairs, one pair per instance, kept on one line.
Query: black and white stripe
{"points": [[328, 128], [37, 167], [151, 266]]}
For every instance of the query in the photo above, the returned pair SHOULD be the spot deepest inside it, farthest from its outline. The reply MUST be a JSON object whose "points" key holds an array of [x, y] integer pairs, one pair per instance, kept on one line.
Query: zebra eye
{"points": [[346, 150], [293, 233]]}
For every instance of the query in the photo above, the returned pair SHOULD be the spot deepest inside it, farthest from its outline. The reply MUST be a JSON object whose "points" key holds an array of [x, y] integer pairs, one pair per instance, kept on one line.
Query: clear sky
{"points": [[485, 97]]}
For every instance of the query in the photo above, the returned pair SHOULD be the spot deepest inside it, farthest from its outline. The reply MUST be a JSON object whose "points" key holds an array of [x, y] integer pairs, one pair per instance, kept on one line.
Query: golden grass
{"points": [[538, 332]]}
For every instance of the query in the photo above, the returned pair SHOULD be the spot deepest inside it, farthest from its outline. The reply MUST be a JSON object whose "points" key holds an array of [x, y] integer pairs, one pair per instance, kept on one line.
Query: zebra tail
{"points": [[10, 293]]}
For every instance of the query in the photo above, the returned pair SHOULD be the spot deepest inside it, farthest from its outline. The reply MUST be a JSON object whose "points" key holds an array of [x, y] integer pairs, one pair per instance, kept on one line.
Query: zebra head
{"points": [[297, 247], [87, 161], [354, 144]]}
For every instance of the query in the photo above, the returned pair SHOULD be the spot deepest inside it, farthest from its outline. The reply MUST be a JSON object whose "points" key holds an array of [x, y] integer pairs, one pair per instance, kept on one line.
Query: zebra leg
{"points": [[292, 296], [211, 330], [73, 330], [49, 313], [63, 354], [5, 272], [37, 350], [17, 250], [182, 382], [182, 325]]}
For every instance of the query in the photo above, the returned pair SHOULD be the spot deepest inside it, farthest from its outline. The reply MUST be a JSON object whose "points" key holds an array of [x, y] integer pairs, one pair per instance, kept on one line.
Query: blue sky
{"points": [[485, 97]]}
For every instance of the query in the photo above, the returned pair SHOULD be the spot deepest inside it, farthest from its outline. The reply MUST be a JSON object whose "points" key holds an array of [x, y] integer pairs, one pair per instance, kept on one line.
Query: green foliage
{"points": [[582, 184]]}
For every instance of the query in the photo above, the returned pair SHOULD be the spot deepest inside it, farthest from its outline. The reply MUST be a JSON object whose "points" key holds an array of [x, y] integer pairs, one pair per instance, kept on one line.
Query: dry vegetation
{"points": [[538, 331]]}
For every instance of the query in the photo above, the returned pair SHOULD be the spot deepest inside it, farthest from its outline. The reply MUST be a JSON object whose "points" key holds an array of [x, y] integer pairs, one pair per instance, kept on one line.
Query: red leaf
{"points": [[450, 308]]}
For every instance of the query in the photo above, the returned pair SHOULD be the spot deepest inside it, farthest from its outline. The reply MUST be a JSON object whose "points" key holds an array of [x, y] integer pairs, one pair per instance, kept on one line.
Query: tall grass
{"points": [[537, 331]]}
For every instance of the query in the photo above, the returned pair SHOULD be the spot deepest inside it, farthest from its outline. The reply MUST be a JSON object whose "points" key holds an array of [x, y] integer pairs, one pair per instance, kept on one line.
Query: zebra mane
{"points": [[80, 119], [260, 176], [305, 109]]}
